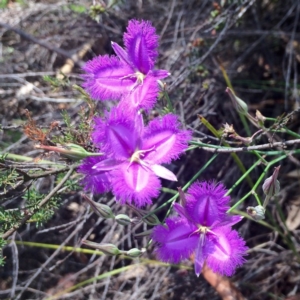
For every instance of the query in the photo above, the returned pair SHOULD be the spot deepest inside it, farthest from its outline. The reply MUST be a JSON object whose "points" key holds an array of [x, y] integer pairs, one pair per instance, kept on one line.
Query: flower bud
{"points": [[240, 106], [134, 252], [150, 220], [100, 209], [108, 249], [271, 185], [69, 150], [257, 212], [143, 234], [103, 210], [123, 219]]}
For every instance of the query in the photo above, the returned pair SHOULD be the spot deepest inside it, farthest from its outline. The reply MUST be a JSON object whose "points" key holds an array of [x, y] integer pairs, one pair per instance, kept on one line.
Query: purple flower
{"points": [[130, 74], [94, 180], [204, 229], [135, 154]]}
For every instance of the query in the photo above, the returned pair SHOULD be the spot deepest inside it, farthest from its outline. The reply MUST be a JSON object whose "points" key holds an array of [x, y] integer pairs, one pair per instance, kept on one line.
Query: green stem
{"points": [[29, 159], [243, 177], [253, 190], [234, 155], [228, 83], [292, 133]]}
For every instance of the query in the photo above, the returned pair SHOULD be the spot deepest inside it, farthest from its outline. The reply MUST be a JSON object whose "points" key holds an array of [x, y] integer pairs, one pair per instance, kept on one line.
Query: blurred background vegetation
{"points": [[206, 45]]}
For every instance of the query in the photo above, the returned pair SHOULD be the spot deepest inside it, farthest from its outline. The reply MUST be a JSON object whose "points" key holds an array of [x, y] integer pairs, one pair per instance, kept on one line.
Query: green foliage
{"points": [[77, 8], [78, 134], [57, 82], [66, 118], [2, 244], [9, 218], [33, 199], [98, 9], [8, 179], [3, 3], [214, 13], [85, 96], [95, 11], [202, 71], [11, 136], [70, 185]]}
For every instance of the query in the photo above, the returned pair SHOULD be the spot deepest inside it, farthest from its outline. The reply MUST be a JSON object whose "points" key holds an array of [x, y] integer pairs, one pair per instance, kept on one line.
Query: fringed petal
{"points": [[143, 95], [175, 240], [116, 133], [229, 252], [95, 181], [141, 42], [207, 203], [135, 184], [107, 78], [166, 139]]}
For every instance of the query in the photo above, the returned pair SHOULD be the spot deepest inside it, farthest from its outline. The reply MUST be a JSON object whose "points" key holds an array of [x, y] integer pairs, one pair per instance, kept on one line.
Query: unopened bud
{"points": [[150, 219], [271, 185], [135, 252], [69, 150], [123, 219], [102, 210], [143, 234], [108, 249], [257, 212], [240, 106]]}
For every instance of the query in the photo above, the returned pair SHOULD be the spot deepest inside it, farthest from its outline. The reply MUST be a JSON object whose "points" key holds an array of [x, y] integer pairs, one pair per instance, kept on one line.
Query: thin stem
{"points": [[228, 83], [234, 156], [253, 190], [29, 159], [243, 177], [221, 149]]}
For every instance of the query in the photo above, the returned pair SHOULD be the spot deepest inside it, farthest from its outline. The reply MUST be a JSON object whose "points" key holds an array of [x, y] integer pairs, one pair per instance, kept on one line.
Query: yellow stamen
{"points": [[137, 157], [140, 77]]}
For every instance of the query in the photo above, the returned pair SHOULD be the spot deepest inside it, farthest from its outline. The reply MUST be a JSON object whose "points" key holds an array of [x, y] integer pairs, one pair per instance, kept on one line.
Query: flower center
{"points": [[139, 77], [203, 230], [137, 157]]}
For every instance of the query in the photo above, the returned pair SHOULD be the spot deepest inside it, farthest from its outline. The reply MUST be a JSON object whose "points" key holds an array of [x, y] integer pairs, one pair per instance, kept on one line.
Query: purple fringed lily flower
{"points": [[135, 154], [204, 229], [94, 180], [130, 74]]}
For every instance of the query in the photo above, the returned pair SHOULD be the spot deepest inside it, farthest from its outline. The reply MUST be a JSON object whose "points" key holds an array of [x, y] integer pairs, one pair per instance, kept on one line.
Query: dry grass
{"points": [[258, 44]]}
